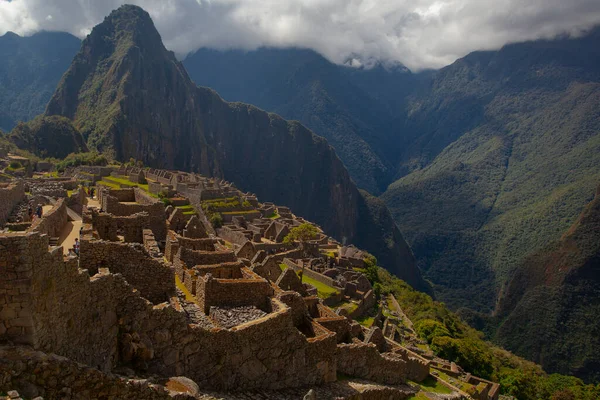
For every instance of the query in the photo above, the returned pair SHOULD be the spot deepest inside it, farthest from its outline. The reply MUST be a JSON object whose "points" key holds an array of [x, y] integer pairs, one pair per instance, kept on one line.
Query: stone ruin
{"points": [[156, 294]]}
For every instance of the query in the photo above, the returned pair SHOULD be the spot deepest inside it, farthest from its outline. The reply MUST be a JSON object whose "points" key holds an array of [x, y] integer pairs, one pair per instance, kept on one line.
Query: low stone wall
{"points": [[54, 221], [233, 236], [232, 292], [103, 322], [364, 361], [310, 273], [156, 213], [175, 241], [76, 201], [33, 373], [151, 276], [198, 257], [248, 215], [417, 366], [10, 196], [132, 226]]}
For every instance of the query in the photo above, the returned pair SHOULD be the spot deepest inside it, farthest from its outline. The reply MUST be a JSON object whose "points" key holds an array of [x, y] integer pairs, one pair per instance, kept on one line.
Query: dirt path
{"points": [[68, 235]]}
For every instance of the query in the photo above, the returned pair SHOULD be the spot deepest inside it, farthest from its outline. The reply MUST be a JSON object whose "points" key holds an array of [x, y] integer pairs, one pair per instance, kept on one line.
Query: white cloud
{"points": [[418, 33]]}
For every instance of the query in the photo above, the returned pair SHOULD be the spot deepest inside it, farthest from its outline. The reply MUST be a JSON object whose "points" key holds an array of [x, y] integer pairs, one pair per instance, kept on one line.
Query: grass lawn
{"points": [[116, 183], [108, 184], [430, 384], [464, 386], [349, 306], [324, 291], [366, 321]]}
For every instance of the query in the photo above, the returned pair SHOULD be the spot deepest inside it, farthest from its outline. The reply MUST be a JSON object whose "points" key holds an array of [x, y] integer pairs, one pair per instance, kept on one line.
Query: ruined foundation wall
{"points": [[232, 292], [89, 320], [53, 222], [364, 361], [10, 196], [30, 373], [151, 276]]}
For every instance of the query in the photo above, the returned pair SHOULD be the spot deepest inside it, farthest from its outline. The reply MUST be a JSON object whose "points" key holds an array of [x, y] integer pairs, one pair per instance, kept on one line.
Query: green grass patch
{"points": [[430, 384], [186, 208], [238, 212], [324, 291], [274, 215], [108, 184], [366, 321], [282, 267], [349, 306]]}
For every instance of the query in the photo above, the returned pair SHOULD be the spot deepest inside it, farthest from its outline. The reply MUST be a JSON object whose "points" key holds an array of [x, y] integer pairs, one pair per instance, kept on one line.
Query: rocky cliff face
{"points": [[127, 94]]}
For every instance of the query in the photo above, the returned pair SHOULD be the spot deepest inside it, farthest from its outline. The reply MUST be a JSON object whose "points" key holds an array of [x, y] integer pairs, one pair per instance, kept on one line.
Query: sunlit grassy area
{"points": [[125, 182], [366, 321], [324, 291], [430, 384]]}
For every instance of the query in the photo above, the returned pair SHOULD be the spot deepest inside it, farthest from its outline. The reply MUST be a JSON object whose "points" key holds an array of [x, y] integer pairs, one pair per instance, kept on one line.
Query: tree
{"points": [[216, 220], [301, 233]]}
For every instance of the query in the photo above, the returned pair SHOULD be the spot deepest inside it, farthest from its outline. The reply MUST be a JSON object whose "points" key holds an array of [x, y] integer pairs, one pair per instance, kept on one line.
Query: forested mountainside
{"points": [[548, 312], [30, 69], [512, 176], [128, 96]]}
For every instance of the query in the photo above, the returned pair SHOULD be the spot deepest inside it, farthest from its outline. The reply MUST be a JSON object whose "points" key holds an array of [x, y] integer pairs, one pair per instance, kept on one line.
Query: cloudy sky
{"points": [[417, 33]]}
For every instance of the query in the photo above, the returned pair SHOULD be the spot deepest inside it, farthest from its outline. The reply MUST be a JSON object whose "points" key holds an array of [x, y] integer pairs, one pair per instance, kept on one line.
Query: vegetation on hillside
{"points": [[30, 69], [53, 136], [302, 233], [77, 159], [454, 340]]}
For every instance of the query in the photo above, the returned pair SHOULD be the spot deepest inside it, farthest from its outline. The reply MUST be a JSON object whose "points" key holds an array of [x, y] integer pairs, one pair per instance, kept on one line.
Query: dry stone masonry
{"points": [[157, 293]]}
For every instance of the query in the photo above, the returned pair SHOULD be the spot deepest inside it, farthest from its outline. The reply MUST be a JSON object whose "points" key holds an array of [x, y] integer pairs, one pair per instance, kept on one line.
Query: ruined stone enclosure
{"points": [[159, 292]]}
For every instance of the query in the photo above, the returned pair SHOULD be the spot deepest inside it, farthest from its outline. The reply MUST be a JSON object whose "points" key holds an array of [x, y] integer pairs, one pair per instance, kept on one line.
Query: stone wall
{"points": [[417, 366], [254, 291], [76, 201], [364, 361], [310, 273], [198, 257], [156, 213], [10, 196], [151, 276], [33, 373], [103, 322], [53, 222], [175, 241], [234, 236], [131, 227]]}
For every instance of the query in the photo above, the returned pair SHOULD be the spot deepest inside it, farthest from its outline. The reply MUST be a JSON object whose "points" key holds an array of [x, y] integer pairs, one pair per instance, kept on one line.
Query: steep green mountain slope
{"points": [[352, 108], [128, 95], [514, 147], [549, 311], [30, 69], [48, 136]]}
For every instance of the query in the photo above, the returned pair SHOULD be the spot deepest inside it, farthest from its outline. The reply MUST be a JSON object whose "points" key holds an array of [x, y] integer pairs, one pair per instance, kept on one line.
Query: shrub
{"points": [[216, 220], [302, 233]]}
